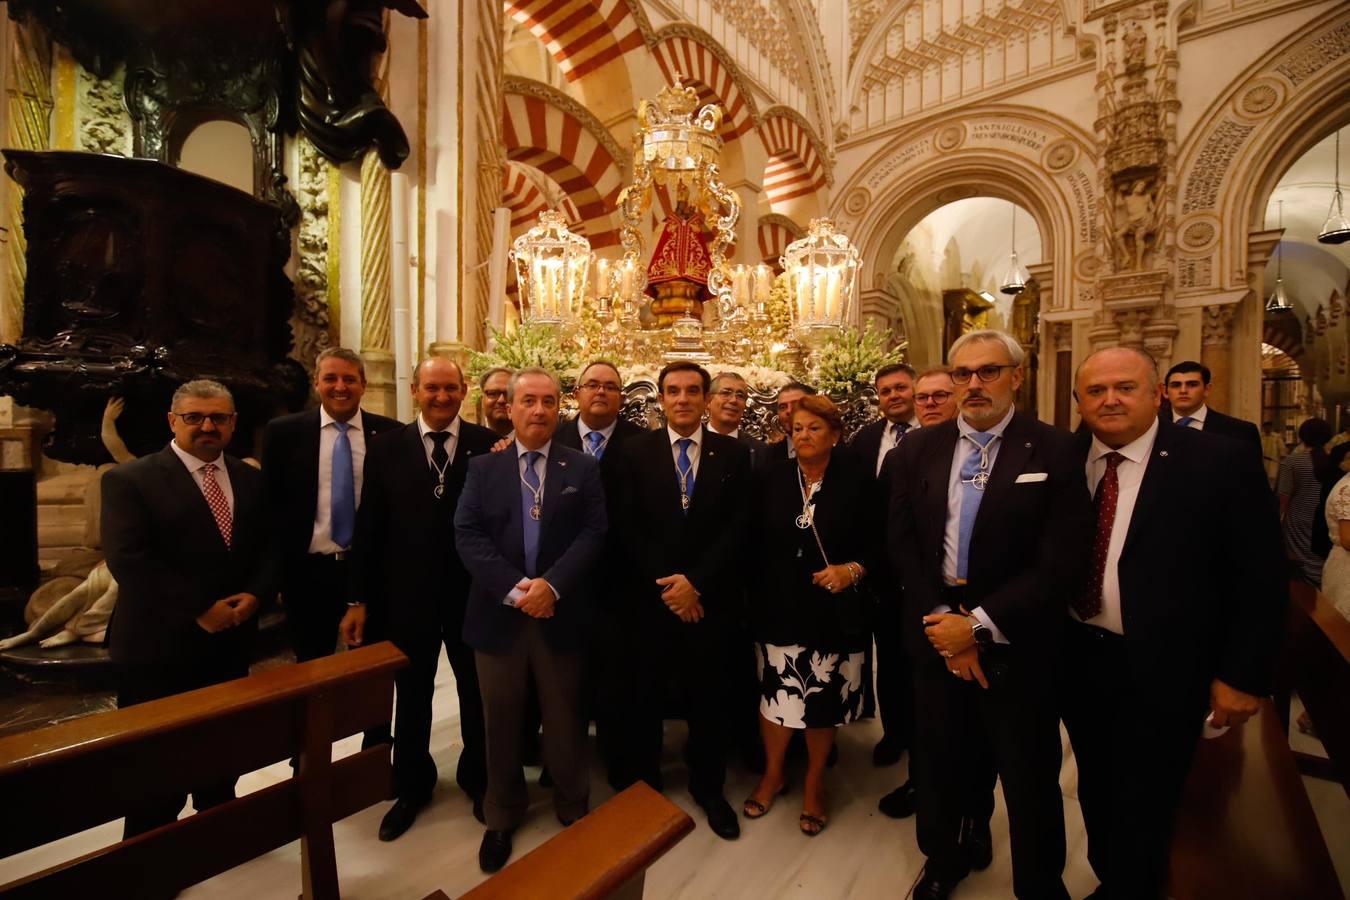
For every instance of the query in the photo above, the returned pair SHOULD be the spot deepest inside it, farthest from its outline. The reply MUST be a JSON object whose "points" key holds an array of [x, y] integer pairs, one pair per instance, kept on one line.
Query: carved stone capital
{"points": [[1131, 323], [1061, 335], [1216, 325]]}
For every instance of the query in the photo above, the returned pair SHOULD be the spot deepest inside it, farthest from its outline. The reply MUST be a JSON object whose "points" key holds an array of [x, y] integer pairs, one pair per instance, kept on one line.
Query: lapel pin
{"points": [[562, 464], [1163, 453], [1028, 445]]}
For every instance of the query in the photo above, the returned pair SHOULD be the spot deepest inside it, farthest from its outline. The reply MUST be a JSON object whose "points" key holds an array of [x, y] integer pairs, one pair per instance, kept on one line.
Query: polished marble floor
{"points": [[862, 854]]}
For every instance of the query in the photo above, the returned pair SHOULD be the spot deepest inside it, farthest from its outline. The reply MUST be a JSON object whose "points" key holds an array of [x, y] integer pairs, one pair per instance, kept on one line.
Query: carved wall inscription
{"points": [[1310, 57], [1202, 187]]}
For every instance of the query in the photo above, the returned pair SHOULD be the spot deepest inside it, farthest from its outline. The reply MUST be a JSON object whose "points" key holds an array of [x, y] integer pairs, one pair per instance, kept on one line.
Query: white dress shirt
{"points": [[889, 441], [735, 432], [321, 539], [1130, 475], [428, 444], [951, 538], [194, 467], [1197, 418], [583, 429], [693, 453]]}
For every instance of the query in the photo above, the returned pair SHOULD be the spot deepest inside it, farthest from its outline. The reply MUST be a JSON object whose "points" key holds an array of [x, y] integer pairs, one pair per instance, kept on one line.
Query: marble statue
{"points": [[1137, 214]]}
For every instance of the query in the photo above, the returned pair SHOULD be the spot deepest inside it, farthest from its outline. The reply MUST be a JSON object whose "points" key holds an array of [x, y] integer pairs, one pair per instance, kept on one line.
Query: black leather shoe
{"points": [[887, 752], [934, 885], [977, 844], [900, 803], [568, 823], [494, 851], [721, 817], [399, 818]]}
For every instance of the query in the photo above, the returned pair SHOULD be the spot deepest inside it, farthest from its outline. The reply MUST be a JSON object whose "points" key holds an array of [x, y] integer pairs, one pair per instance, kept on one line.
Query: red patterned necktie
{"points": [[220, 507], [1108, 492]]}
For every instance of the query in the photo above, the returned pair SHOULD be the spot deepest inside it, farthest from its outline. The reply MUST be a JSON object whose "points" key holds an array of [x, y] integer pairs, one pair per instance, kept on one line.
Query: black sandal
{"points": [[811, 825]]}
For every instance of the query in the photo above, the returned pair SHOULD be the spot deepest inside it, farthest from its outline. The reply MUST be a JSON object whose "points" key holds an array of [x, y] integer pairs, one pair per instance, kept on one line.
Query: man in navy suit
{"points": [[1187, 385], [416, 587], [530, 527], [1181, 617], [313, 465]]}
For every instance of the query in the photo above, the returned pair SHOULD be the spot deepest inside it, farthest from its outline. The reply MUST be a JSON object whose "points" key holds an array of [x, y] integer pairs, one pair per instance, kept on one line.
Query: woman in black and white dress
{"points": [[822, 524]]}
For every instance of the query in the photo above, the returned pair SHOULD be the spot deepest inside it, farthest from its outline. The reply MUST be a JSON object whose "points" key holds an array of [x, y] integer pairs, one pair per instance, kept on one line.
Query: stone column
{"points": [[1216, 352], [1061, 333], [377, 349]]}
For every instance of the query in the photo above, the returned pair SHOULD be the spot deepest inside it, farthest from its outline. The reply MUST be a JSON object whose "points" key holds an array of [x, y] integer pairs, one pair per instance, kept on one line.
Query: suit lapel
{"points": [[1154, 488], [555, 478], [710, 467], [937, 473], [1015, 449], [185, 486], [309, 449]]}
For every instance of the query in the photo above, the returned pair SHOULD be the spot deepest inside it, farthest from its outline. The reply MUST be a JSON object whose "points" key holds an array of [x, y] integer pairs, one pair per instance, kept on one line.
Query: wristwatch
{"points": [[982, 635]]}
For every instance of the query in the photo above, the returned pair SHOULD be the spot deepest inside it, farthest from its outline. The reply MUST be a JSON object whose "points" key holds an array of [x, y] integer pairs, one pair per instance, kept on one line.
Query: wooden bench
{"points": [[1246, 830], [61, 780], [606, 854], [1317, 667]]}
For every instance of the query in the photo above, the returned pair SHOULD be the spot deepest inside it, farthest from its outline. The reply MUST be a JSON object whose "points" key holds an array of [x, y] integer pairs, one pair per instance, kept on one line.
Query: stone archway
{"points": [[1040, 162], [1229, 165]]}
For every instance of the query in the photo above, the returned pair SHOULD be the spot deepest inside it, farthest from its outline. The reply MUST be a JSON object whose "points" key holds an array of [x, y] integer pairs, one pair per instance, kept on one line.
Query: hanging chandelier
{"points": [[1279, 301], [552, 266], [1015, 280], [1336, 229], [822, 270]]}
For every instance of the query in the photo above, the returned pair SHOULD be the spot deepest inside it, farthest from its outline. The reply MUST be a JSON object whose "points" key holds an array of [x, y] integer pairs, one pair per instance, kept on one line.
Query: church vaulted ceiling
{"points": [[912, 57]]}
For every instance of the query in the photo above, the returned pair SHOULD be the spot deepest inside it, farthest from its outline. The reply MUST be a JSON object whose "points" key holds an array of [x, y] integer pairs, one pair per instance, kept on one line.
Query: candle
{"points": [[832, 293], [602, 278], [763, 283]]}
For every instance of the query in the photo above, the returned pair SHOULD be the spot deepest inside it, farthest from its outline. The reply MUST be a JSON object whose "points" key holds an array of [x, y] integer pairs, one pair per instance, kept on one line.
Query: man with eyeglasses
{"points": [[935, 396], [494, 408], [599, 431], [990, 523], [726, 410], [185, 532]]}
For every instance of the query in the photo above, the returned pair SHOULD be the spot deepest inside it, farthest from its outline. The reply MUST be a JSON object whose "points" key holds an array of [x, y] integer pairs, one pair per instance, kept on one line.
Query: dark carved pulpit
{"points": [[142, 276]]}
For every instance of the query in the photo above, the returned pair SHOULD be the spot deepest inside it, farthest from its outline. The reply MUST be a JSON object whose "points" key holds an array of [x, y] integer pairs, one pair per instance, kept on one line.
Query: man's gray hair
{"points": [[532, 370], [203, 388], [343, 354], [990, 336], [1150, 364], [720, 375], [486, 376]]}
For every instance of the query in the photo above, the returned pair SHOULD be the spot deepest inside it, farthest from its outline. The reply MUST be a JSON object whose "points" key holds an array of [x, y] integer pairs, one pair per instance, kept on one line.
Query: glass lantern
{"points": [[552, 268], [822, 270]]}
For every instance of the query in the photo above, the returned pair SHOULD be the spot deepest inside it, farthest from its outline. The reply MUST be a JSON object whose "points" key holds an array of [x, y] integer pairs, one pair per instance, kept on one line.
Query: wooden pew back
{"points": [[204, 736], [606, 854]]}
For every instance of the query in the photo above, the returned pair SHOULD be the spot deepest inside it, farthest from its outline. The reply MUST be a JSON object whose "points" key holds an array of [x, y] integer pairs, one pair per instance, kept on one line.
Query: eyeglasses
{"points": [[607, 386], [494, 395], [728, 393], [987, 373], [938, 397], [220, 420]]}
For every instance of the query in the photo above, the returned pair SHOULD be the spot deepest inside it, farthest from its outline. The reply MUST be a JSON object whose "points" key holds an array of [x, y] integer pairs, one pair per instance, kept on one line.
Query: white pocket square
{"points": [[1027, 477], [569, 490]]}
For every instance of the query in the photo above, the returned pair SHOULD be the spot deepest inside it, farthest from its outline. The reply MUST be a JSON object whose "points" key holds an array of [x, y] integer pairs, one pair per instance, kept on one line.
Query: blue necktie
{"points": [[595, 442], [342, 489], [530, 524], [686, 468], [1185, 421], [970, 501]]}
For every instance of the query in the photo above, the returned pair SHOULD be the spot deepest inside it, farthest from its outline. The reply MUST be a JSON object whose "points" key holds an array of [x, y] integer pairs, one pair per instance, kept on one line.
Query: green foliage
{"points": [[848, 360], [528, 345]]}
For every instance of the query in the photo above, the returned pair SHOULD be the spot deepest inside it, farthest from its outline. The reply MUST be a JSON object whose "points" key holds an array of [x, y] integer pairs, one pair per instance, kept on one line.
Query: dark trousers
{"points": [[1017, 723], [1133, 736], [504, 679], [315, 599], [142, 683], [895, 681], [687, 664], [414, 769]]}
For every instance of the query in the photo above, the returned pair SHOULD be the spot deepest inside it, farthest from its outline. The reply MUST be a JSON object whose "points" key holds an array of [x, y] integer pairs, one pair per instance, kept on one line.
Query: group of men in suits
{"points": [[1041, 577], [1037, 575]]}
